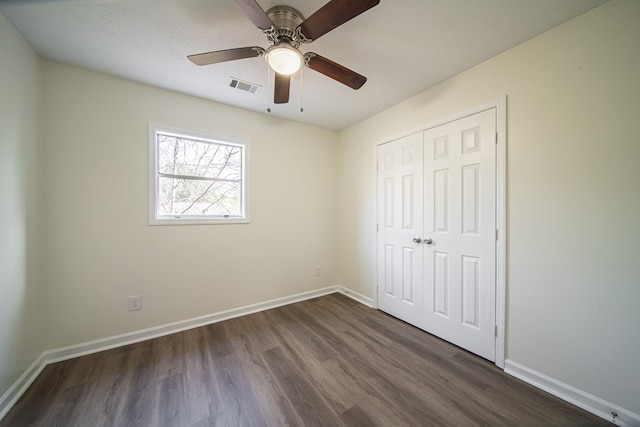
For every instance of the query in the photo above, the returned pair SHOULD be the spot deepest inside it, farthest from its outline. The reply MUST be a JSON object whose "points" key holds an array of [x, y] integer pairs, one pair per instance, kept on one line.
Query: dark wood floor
{"points": [[329, 361]]}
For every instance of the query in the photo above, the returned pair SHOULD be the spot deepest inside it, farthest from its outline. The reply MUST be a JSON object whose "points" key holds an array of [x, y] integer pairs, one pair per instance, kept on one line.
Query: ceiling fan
{"points": [[286, 29]]}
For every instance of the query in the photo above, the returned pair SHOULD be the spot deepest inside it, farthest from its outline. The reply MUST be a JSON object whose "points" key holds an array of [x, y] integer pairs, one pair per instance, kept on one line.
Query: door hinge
{"points": [[496, 234], [495, 331], [496, 138], [377, 165], [377, 227]]}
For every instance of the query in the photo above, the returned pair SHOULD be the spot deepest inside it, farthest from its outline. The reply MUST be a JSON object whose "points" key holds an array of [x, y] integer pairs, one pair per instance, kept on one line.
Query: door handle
{"points": [[427, 241], [417, 240]]}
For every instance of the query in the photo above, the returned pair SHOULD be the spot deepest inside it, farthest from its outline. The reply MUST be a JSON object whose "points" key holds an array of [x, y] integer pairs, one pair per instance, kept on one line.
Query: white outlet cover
{"points": [[135, 303]]}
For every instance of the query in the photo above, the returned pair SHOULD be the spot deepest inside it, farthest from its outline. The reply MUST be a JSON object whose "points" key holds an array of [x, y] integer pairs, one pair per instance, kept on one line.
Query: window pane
{"points": [[180, 156], [196, 197]]}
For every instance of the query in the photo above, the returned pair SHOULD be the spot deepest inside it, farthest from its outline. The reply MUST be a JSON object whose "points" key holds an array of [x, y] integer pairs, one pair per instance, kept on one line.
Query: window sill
{"points": [[198, 221]]}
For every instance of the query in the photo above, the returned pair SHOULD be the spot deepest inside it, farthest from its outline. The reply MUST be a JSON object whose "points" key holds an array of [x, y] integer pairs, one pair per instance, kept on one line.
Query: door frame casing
{"points": [[500, 105]]}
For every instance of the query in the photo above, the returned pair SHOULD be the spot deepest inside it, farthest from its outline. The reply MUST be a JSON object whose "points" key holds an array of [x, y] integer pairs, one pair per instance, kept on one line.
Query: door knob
{"points": [[427, 241], [417, 240]]}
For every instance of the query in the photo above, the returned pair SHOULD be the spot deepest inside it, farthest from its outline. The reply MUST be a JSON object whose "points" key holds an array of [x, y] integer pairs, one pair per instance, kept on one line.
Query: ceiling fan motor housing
{"points": [[285, 20]]}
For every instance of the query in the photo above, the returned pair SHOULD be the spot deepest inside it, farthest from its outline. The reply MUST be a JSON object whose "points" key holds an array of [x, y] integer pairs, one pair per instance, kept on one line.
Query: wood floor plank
{"points": [[239, 404], [202, 394], [355, 416], [302, 394], [326, 361]]}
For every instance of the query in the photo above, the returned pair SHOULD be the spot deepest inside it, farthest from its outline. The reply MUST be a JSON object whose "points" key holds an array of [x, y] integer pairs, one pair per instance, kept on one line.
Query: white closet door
{"points": [[400, 216], [460, 229]]}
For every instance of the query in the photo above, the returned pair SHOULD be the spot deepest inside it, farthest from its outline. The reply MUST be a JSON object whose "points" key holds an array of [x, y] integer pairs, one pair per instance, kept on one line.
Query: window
{"points": [[195, 178]]}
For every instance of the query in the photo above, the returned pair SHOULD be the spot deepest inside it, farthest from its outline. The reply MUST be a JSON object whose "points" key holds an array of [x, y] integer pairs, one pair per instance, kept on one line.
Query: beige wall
{"points": [[98, 246], [573, 195], [20, 288]]}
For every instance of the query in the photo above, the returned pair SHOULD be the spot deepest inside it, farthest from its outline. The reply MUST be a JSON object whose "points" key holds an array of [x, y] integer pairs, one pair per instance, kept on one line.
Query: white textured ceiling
{"points": [[402, 46]]}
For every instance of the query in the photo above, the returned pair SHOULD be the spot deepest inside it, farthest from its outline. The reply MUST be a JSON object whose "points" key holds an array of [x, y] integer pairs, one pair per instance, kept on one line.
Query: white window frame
{"points": [[154, 218]]}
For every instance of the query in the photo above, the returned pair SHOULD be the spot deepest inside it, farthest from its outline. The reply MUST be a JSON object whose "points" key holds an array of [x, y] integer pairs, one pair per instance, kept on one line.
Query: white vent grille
{"points": [[243, 85]]}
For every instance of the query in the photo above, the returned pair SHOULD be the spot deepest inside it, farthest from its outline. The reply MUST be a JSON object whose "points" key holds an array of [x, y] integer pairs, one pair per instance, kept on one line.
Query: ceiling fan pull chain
{"points": [[268, 90], [301, 109]]}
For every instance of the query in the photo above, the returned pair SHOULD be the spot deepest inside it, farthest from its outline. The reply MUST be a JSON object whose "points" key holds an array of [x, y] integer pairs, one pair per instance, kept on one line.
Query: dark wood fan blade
{"points": [[255, 13], [281, 89], [335, 71], [226, 55], [332, 15]]}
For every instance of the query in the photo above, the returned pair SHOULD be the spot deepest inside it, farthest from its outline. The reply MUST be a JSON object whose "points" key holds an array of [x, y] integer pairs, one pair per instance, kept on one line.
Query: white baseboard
{"points": [[11, 396], [356, 296], [577, 397]]}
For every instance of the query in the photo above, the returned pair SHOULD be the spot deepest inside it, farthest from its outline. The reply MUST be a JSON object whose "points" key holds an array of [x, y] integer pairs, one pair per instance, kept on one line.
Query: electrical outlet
{"points": [[317, 270], [135, 303]]}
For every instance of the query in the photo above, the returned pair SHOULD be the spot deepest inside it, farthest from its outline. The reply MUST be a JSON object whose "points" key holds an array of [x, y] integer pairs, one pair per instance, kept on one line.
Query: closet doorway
{"points": [[437, 230]]}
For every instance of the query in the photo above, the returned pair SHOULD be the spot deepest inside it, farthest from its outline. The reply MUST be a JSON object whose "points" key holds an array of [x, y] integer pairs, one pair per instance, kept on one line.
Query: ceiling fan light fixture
{"points": [[284, 59]]}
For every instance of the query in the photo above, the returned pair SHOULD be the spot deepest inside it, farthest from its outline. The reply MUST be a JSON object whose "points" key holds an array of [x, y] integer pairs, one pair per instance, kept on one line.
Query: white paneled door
{"points": [[400, 216], [460, 220], [453, 295]]}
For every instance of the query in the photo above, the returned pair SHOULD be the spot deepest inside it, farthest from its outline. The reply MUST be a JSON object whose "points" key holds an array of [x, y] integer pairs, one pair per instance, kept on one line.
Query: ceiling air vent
{"points": [[243, 86]]}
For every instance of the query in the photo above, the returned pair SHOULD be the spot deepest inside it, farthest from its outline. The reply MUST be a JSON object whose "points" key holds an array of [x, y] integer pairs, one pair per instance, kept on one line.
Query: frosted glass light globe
{"points": [[284, 59]]}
